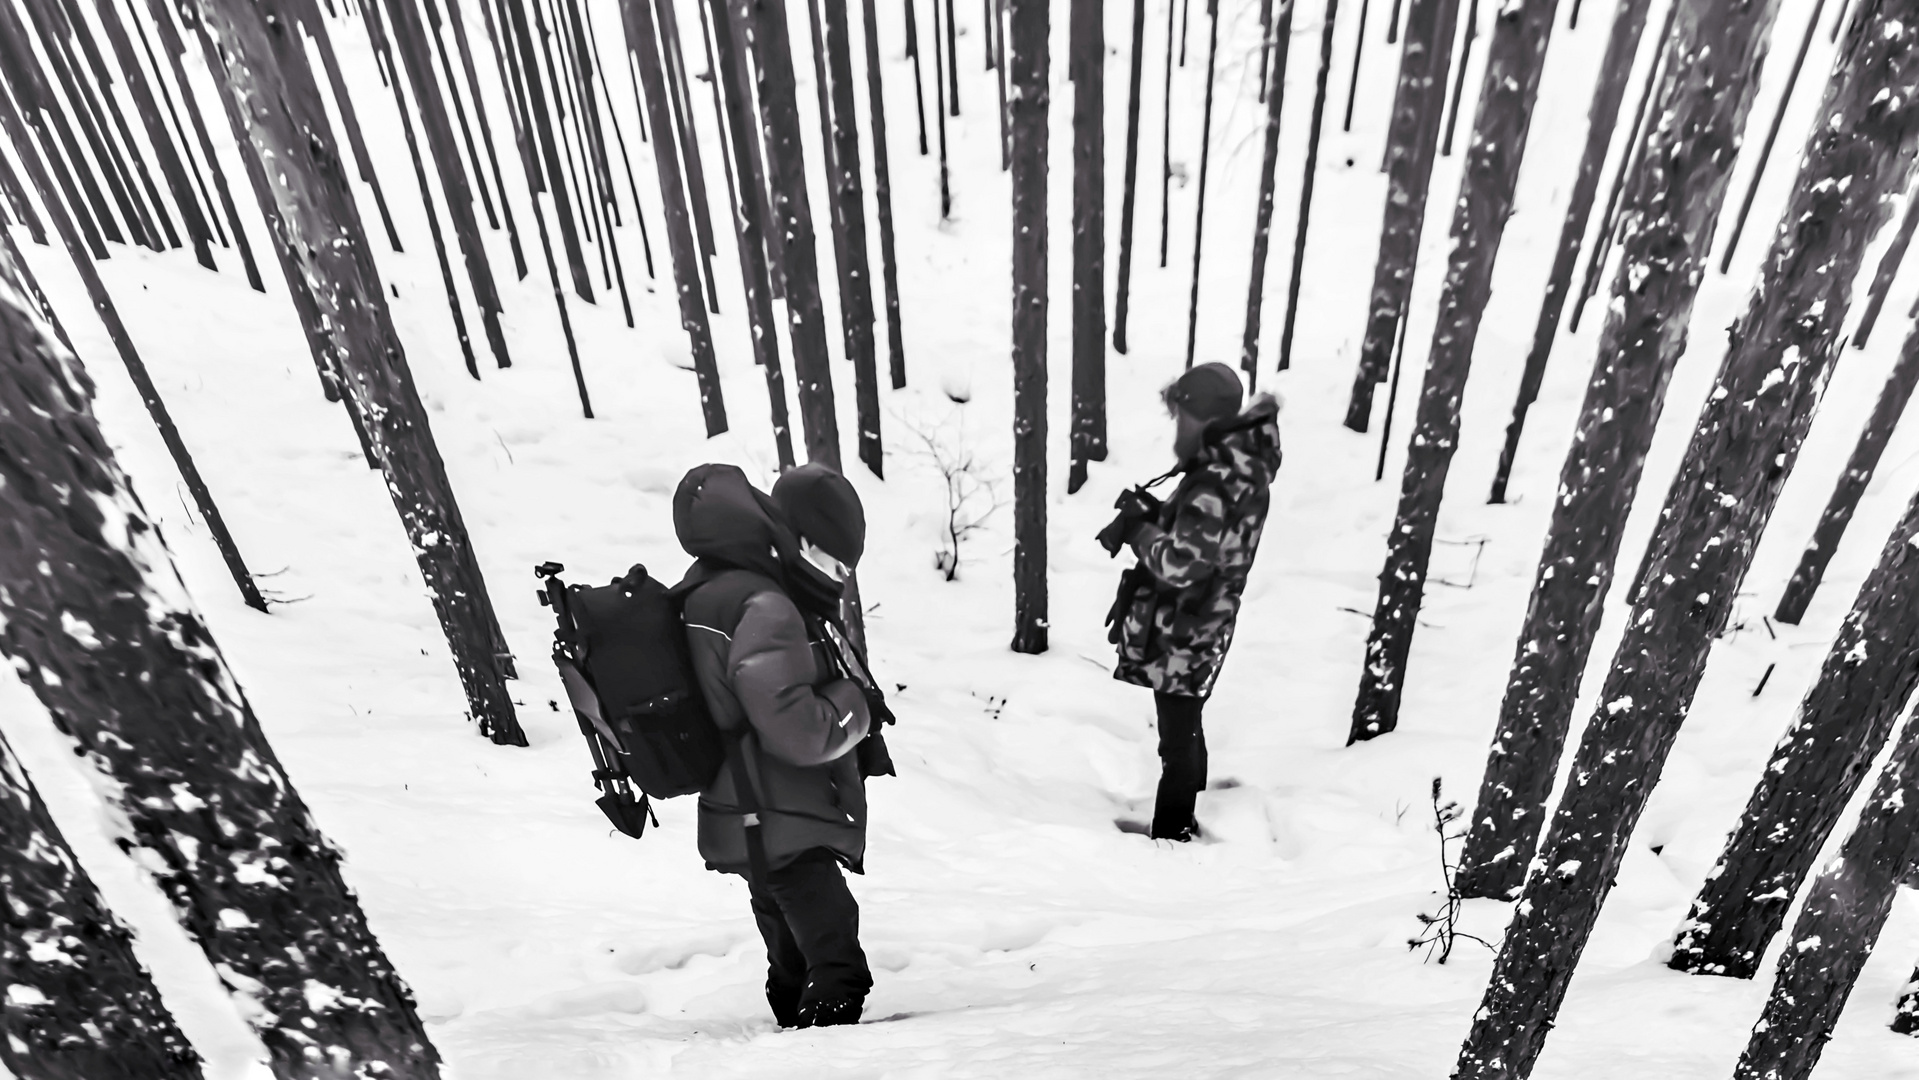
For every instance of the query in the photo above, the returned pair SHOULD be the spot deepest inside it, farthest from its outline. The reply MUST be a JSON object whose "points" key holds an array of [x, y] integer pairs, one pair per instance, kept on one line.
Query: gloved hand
{"points": [[1137, 508]]}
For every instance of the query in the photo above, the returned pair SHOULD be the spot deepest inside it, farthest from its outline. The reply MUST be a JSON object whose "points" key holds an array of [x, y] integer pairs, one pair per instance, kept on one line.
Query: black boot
{"points": [[830, 1013], [786, 1004]]}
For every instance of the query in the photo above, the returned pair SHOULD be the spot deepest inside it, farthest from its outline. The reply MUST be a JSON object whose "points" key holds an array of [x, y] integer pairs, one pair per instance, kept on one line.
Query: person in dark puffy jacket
{"points": [[761, 603], [1175, 615]]}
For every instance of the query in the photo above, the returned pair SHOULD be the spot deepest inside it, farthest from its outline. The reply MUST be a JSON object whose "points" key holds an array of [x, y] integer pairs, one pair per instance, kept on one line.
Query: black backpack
{"points": [[622, 653]]}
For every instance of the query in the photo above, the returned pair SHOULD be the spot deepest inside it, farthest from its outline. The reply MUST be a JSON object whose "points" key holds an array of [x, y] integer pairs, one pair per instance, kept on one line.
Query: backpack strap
{"points": [[749, 800]]}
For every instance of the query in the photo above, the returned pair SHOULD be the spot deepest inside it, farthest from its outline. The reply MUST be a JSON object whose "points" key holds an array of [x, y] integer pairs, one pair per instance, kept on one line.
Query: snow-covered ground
{"points": [[1014, 928]]}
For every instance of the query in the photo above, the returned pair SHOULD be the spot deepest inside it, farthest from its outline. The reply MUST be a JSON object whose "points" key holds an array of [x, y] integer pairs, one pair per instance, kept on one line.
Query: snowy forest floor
{"points": [[1015, 930]]}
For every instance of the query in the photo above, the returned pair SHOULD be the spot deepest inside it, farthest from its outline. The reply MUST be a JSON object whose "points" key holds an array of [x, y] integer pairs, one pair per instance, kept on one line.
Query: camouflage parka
{"points": [[1173, 620]]}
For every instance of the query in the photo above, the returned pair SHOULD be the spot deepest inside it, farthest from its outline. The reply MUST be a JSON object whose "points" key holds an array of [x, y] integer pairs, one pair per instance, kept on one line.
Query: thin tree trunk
{"points": [[619, 137], [997, 27], [1844, 721], [1309, 175], [1743, 448], [1471, 34], [437, 34], [1205, 166], [21, 71], [1411, 140], [1275, 98], [849, 213], [1678, 187], [168, 155], [210, 214], [1086, 69], [919, 80], [1852, 484], [543, 147], [100, 627], [350, 120], [16, 198], [1166, 144], [1844, 912], [330, 270], [486, 130], [883, 198], [763, 24], [643, 42], [939, 115], [678, 84], [1888, 269], [1629, 25], [1515, 59], [74, 28], [1130, 196], [1028, 64], [952, 58], [1359, 50], [1772, 137]]}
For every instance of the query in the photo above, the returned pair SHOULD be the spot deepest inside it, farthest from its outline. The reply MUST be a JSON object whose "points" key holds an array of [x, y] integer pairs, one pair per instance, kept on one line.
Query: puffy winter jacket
{"points": [[1176, 623], [768, 682]]}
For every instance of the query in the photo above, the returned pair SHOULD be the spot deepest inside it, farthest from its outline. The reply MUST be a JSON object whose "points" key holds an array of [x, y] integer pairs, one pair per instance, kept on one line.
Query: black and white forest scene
{"points": [[922, 539]]}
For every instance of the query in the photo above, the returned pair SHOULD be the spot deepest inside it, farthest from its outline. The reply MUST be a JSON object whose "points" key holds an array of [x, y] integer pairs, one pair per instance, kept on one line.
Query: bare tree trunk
{"points": [[1411, 140], [1888, 269], [1028, 66], [151, 119], [1678, 187], [1629, 25], [350, 121], [1205, 166], [1870, 671], [919, 81], [539, 144], [1852, 484], [98, 623], [849, 213], [763, 24], [1514, 62], [883, 198], [1743, 448], [1845, 910], [1471, 34], [1359, 50], [323, 253], [1309, 175], [939, 114], [1086, 69], [1130, 183], [689, 143], [1166, 144], [21, 72], [1273, 92], [1772, 137], [486, 129]]}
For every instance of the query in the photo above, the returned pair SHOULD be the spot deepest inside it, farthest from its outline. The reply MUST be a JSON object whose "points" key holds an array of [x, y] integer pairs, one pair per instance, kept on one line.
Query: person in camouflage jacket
{"points": [[1174, 618]]}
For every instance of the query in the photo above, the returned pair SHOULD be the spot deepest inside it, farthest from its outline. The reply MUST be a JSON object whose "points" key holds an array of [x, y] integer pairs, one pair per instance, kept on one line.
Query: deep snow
{"points": [[1013, 927]]}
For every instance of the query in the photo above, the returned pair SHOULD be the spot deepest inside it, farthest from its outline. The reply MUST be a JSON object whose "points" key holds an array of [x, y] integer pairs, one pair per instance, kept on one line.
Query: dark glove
{"points": [[871, 753], [1136, 507]]}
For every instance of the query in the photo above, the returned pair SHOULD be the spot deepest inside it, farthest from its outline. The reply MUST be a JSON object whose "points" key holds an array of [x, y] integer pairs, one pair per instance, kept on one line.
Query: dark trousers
{"points": [[812, 931], [1182, 760]]}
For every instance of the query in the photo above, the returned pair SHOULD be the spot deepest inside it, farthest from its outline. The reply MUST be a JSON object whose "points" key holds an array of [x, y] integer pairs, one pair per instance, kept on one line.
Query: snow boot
{"points": [[830, 1013], [786, 1004]]}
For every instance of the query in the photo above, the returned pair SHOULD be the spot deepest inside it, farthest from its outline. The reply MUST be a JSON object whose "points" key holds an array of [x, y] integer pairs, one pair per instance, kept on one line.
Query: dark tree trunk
{"points": [[1359, 50], [350, 121], [1028, 63], [438, 36], [210, 215], [626, 164], [849, 221], [919, 79], [1678, 188], [21, 71], [643, 42], [1743, 447], [1888, 269], [1514, 61], [763, 24], [1845, 910], [1471, 34], [997, 27], [1129, 198], [678, 84], [172, 169], [1166, 145], [1205, 166], [1870, 671], [329, 268], [486, 129], [1308, 177], [939, 114], [1629, 25], [541, 146], [20, 206], [1273, 93], [1411, 140], [1852, 484], [98, 623], [952, 59], [1086, 68], [750, 222], [1772, 137], [883, 198]]}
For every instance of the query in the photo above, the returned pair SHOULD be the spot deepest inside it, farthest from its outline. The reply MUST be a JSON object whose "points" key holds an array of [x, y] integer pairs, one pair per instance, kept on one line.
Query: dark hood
{"points": [[724, 521], [1246, 445]]}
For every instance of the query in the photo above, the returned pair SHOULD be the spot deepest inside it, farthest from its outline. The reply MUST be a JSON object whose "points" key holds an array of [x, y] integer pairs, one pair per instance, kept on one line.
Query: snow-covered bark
{"points": [[96, 620], [276, 113], [1677, 188], [1086, 67], [1602, 118], [1743, 447], [1411, 142], [1030, 96], [1514, 62], [1870, 671]]}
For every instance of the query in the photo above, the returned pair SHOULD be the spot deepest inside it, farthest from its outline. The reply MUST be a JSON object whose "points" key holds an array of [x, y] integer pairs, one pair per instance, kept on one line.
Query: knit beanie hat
{"points": [[820, 505], [1207, 392]]}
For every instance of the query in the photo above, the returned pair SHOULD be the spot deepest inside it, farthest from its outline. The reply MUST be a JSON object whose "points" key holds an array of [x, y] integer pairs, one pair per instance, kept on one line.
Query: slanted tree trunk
{"points": [[80, 1006], [1514, 62], [763, 24], [643, 42], [1330, 22], [1629, 25], [1743, 448], [1870, 671], [458, 22], [539, 145], [1678, 187], [19, 206], [1086, 68], [849, 214], [350, 123], [1130, 183], [1412, 139], [1852, 484], [1888, 269], [274, 107], [96, 619], [172, 169], [1027, 68], [1273, 93], [1845, 910], [883, 198], [20, 68], [1772, 138], [919, 78]]}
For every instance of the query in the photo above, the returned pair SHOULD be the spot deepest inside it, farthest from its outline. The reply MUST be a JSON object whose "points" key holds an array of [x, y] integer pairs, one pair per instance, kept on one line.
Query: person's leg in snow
{"points": [[1182, 756], [811, 924]]}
